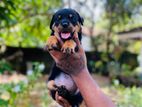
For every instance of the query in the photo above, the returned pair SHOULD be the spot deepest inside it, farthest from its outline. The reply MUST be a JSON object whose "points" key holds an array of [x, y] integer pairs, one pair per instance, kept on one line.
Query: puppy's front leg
{"points": [[56, 33], [52, 43], [68, 46], [53, 40], [51, 85]]}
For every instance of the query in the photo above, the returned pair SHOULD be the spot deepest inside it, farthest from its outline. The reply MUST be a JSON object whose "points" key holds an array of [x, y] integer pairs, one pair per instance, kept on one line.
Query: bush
{"points": [[21, 94], [125, 97], [5, 66]]}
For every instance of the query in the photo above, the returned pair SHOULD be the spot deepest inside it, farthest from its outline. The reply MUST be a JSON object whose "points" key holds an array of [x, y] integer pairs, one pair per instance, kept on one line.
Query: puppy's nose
{"points": [[65, 24]]}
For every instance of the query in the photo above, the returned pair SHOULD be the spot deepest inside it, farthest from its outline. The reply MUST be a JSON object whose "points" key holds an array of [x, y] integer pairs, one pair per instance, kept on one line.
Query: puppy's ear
{"points": [[52, 32], [80, 19], [52, 22]]}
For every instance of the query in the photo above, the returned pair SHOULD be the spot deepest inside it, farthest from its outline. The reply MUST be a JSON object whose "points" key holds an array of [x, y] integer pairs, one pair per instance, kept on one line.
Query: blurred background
{"points": [[112, 39]]}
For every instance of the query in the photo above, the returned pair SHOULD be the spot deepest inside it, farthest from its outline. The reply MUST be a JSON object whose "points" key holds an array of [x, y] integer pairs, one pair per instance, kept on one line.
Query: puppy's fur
{"points": [[64, 25]]}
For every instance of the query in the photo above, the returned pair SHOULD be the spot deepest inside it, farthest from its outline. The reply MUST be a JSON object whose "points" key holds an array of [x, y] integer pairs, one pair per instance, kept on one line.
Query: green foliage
{"points": [[124, 96], [3, 103], [12, 94], [118, 13], [127, 97], [26, 23], [6, 12], [5, 66]]}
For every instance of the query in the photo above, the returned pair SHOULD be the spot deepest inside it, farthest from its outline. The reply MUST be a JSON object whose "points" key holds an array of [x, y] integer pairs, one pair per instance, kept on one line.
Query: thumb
{"points": [[56, 55], [65, 102], [76, 39], [78, 42]]}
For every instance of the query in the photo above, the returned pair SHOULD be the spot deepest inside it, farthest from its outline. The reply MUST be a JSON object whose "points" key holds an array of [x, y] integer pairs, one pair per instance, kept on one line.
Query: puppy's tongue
{"points": [[65, 35]]}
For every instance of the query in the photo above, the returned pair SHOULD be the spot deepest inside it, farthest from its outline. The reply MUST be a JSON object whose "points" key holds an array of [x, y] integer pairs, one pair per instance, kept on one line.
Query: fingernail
{"points": [[59, 97]]}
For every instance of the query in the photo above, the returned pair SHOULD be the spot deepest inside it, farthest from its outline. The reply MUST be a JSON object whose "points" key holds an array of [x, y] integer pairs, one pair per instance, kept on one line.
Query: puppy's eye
{"points": [[70, 16], [59, 17]]}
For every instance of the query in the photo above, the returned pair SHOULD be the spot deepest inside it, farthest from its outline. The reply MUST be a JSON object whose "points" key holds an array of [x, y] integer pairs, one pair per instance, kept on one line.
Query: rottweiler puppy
{"points": [[64, 25]]}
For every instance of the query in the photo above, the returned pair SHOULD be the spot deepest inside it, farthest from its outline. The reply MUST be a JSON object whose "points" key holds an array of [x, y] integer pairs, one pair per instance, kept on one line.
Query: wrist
{"points": [[79, 73]]}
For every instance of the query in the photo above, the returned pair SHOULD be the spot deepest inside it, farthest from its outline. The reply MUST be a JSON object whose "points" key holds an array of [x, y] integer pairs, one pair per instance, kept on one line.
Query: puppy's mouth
{"points": [[66, 35]]}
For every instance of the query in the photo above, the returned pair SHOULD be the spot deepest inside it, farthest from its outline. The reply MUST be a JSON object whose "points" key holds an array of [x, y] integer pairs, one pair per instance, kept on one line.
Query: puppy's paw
{"points": [[68, 47], [62, 91], [52, 43], [51, 85]]}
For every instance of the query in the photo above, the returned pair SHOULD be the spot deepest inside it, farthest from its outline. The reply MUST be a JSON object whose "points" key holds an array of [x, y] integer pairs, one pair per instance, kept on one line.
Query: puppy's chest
{"points": [[65, 80]]}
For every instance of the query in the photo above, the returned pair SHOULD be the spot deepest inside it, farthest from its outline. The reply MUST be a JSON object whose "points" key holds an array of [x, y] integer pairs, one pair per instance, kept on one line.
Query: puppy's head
{"points": [[66, 22]]}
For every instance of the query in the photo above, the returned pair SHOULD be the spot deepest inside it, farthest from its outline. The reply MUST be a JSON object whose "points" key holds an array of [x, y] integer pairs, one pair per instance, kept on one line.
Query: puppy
{"points": [[65, 24]]}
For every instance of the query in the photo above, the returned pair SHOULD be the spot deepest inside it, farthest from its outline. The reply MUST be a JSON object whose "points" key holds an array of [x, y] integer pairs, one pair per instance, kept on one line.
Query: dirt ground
{"points": [[35, 95]]}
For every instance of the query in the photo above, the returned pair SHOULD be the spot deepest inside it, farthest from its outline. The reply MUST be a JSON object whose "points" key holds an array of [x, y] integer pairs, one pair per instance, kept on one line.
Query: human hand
{"points": [[63, 102], [70, 63]]}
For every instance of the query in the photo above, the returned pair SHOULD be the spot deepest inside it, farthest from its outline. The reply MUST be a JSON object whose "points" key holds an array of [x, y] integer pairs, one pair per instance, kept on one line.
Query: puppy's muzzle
{"points": [[65, 23]]}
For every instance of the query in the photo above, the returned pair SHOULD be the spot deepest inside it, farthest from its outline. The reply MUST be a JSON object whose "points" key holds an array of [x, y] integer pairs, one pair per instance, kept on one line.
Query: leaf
{"points": [[3, 103]]}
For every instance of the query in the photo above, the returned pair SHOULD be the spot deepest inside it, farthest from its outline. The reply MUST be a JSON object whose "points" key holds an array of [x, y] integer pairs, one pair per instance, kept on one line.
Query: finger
{"points": [[80, 48], [61, 100], [66, 103], [61, 103], [57, 99], [56, 55], [56, 95], [76, 39]]}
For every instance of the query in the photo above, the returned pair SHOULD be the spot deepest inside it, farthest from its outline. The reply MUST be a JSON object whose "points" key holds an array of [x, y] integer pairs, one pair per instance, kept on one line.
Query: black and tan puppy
{"points": [[65, 24]]}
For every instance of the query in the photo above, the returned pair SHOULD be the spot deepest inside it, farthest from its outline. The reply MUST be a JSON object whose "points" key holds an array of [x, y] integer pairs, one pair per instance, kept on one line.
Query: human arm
{"points": [[91, 92], [75, 65]]}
